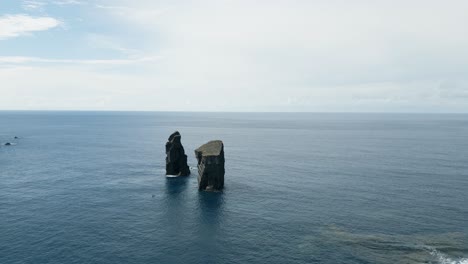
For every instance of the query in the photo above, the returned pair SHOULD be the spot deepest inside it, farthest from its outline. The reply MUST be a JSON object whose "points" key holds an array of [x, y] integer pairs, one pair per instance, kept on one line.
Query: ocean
{"points": [[90, 187]]}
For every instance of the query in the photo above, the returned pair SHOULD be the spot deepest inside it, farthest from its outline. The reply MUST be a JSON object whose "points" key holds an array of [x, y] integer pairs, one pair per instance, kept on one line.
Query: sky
{"points": [[234, 55]]}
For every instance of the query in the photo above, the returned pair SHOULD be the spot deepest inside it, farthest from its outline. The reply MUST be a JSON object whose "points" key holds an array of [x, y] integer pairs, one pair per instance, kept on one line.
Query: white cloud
{"points": [[34, 5], [68, 2], [17, 25], [275, 55], [257, 53], [78, 87], [8, 60], [31, 5], [134, 13], [105, 42]]}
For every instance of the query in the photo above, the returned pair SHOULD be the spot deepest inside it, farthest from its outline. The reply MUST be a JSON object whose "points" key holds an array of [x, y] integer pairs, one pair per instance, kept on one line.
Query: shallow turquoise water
{"points": [[89, 187]]}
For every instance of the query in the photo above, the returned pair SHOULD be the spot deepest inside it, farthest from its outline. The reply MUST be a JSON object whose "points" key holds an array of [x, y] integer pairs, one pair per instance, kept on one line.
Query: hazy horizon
{"points": [[230, 112], [234, 56]]}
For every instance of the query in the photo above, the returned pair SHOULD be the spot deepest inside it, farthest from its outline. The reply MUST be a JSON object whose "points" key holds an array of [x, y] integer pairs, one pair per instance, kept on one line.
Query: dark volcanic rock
{"points": [[176, 160], [210, 166], [8, 144]]}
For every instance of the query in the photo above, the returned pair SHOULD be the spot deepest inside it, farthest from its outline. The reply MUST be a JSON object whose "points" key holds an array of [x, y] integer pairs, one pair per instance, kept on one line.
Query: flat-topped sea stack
{"points": [[176, 160], [210, 158]]}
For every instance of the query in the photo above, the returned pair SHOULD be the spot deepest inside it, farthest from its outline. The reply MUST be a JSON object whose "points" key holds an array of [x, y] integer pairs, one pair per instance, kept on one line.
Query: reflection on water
{"points": [[175, 203], [175, 185], [210, 213], [210, 206]]}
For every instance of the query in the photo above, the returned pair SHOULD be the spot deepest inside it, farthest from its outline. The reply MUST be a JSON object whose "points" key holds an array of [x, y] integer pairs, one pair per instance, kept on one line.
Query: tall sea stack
{"points": [[176, 160], [210, 158]]}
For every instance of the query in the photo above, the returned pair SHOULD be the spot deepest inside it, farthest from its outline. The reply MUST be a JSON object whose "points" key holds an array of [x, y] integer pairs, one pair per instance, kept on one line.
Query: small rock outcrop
{"points": [[176, 160], [8, 144], [210, 158]]}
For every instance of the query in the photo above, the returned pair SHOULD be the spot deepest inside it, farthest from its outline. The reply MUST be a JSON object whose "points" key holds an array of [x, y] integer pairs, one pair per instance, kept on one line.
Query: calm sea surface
{"points": [[89, 187]]}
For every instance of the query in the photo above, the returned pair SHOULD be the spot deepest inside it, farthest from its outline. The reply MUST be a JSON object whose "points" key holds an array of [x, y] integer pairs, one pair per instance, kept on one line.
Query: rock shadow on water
{"points": [[175, 201], [176, 185], [209, 225], [211, 210], [210, 205]]}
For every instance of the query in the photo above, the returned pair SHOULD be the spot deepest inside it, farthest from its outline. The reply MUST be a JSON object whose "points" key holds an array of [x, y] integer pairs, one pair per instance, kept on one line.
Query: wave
{"points": [[443, 258], [442, 248]]}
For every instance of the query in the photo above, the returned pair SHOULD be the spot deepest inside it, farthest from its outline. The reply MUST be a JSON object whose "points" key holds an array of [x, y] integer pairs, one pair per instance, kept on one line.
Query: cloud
{"points": [[239, 55], [141, 12], [69, 2], [18, 25], [31, 5], [34, 5], [78, 86], [315, 50], [100, 41], [8, 60]]}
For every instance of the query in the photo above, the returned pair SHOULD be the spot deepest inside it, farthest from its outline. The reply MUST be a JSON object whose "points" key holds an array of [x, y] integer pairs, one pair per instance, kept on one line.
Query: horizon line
{"points": [[240, 112]]}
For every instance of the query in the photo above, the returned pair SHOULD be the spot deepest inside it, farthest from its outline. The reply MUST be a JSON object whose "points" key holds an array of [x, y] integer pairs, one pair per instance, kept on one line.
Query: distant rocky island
{"points": [[210, 157], [176, 160]]}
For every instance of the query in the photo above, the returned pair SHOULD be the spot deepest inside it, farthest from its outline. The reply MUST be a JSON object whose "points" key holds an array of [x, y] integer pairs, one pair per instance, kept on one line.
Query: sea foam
{"points": [[444, 259]]}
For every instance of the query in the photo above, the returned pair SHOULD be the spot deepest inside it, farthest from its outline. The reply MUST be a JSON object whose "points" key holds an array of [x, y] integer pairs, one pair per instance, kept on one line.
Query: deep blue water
{"points": [[89, 187]]}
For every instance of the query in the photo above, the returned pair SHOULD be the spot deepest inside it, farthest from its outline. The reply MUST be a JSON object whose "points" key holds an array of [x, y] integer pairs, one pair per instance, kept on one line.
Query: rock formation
{"points": [[176, 160], [8, 144], [210, 158]]}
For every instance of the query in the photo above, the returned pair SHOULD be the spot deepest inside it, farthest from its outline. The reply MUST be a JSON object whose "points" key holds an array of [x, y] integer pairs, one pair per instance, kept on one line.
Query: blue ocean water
{"points": [[89, 187]]}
